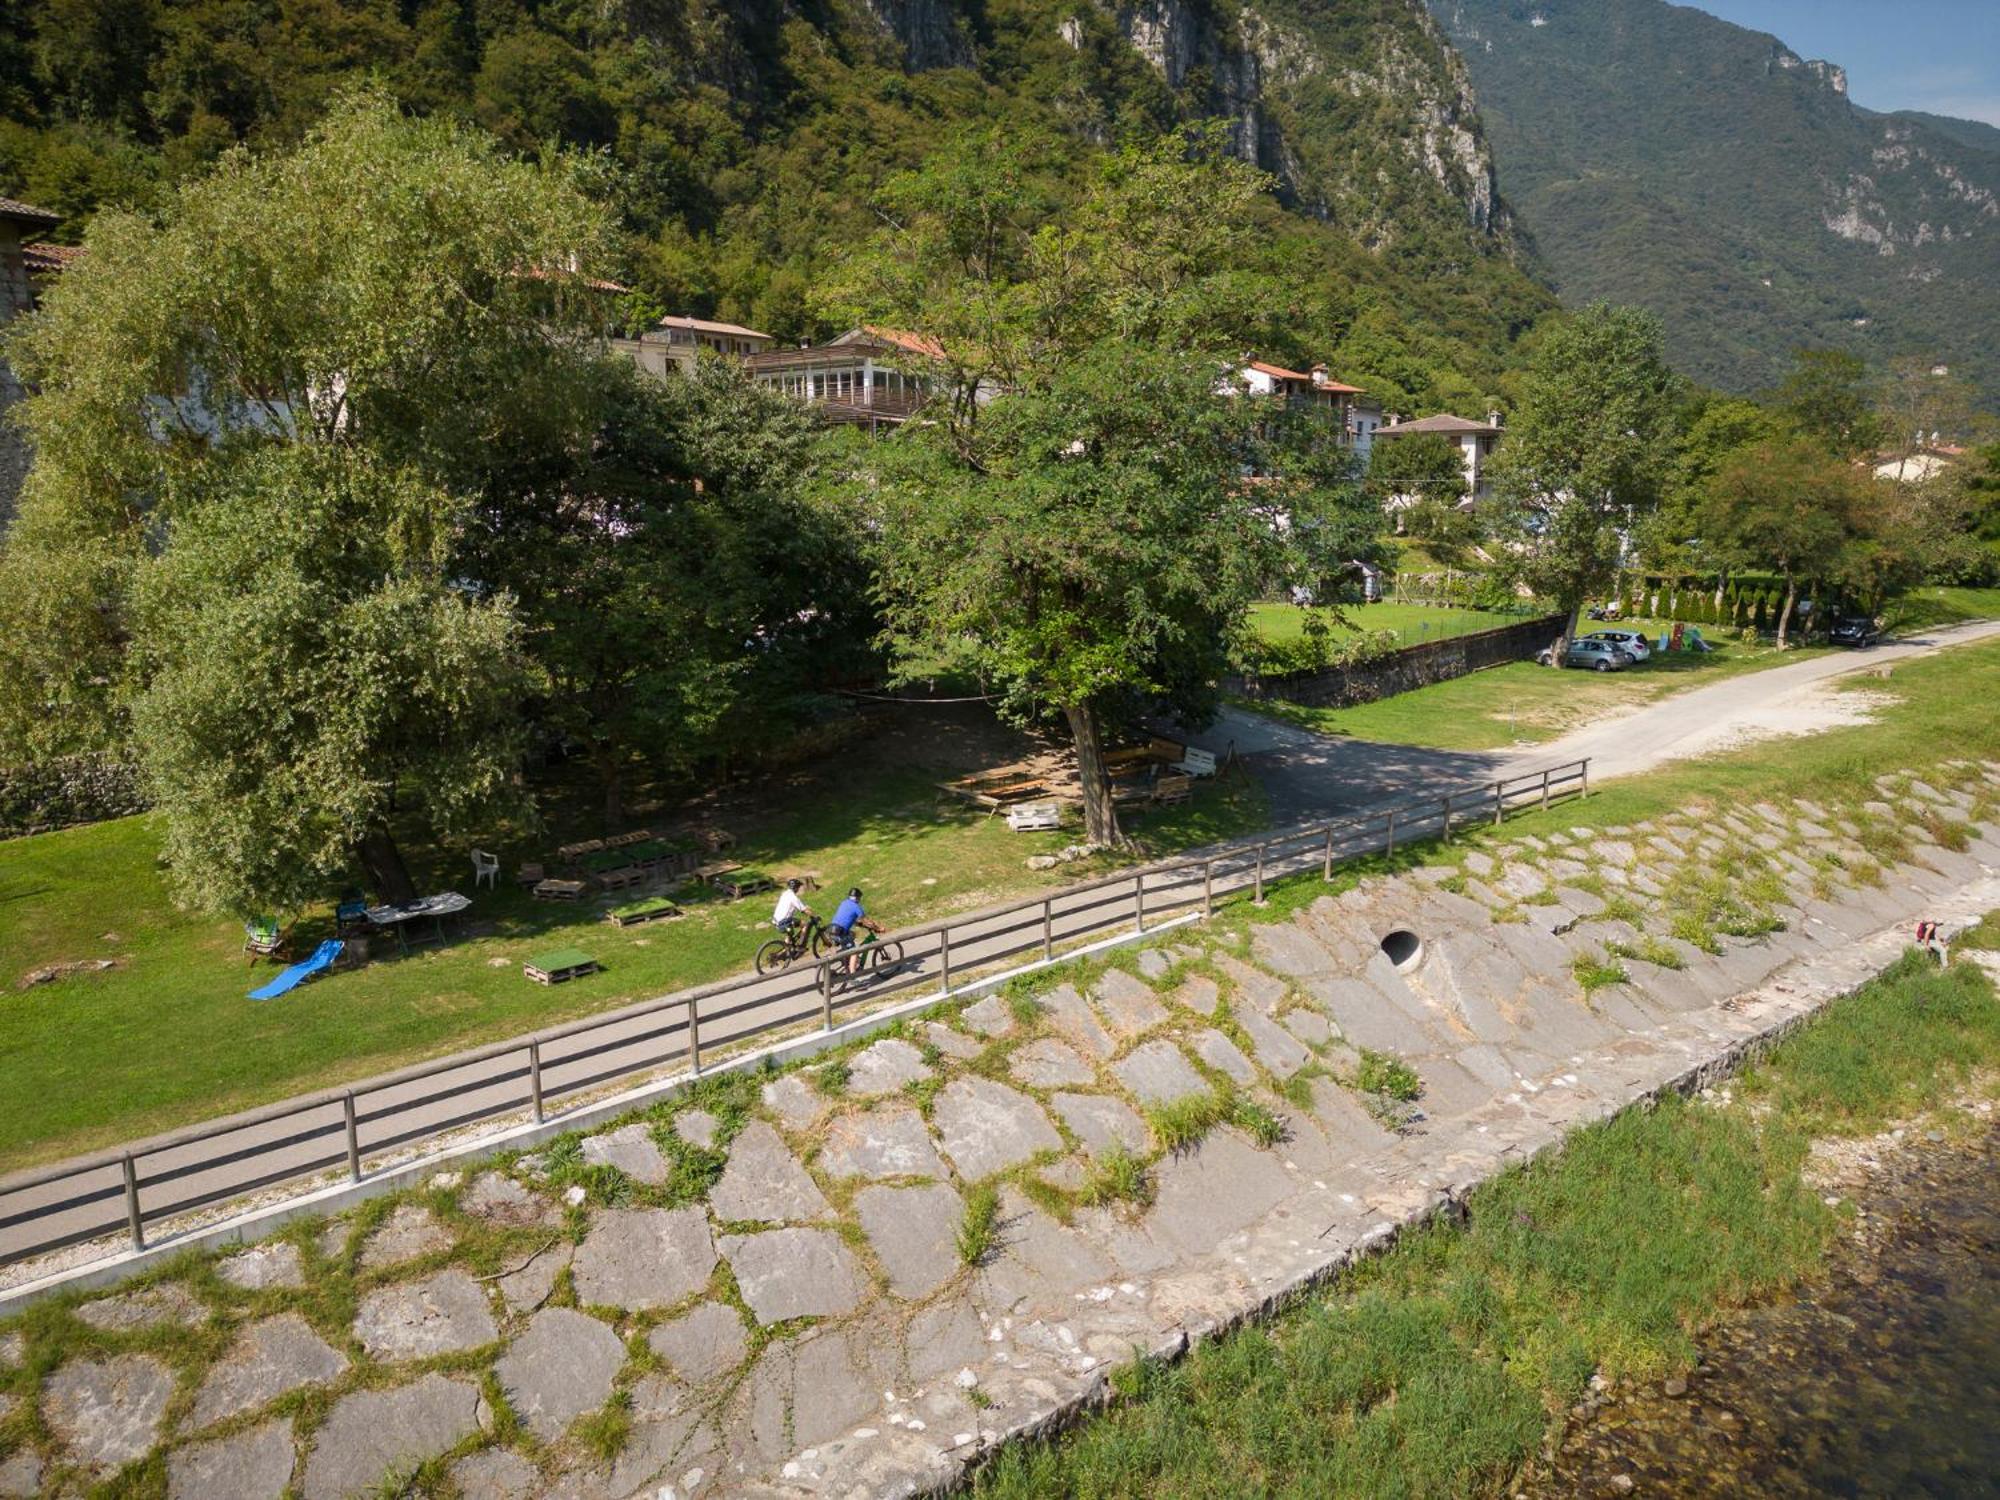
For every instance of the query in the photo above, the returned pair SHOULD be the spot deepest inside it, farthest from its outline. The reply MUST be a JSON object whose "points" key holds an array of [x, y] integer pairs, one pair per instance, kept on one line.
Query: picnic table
{"points": [[397, 916]]}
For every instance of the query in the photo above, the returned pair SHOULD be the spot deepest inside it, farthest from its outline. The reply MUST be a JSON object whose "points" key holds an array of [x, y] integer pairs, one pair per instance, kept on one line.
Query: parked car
{"points": [[1598, 655], [1854, 630], [1632, 642]]}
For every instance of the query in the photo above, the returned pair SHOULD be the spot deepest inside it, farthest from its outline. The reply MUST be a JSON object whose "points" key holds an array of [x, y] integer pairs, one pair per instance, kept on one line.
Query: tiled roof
{"points": [[45, 258], [1444, 422], [913, 343], [27, 213], [704, 325], [1279, 371]]}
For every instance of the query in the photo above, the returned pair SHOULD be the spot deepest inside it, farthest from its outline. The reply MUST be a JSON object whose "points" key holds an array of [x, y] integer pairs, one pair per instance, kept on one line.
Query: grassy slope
{"points": [[1437, 1369], [168, 1036], [1523, 703], [1412, 623]]}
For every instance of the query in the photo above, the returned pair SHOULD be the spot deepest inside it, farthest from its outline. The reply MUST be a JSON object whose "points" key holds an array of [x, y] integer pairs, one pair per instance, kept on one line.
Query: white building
{"points": [[868, 376], [674, 342], [1476, 443]]}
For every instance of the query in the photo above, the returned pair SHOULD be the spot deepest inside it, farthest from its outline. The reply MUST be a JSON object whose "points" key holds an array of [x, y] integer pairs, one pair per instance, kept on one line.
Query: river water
{"points": [[1880, 1378]]}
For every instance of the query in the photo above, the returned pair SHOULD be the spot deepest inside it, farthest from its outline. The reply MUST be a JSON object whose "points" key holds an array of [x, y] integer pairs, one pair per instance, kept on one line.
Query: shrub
{"points": [[1391, 1076], [975, 1229]]}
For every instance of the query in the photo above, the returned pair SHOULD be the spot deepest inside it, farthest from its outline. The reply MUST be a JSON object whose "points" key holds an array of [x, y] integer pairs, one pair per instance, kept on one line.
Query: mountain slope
{"points": [[744, 138], [1661, 156]]}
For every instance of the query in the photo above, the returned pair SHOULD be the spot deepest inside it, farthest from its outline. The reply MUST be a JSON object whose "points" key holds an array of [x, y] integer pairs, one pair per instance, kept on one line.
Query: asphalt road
{"points": [[1313, 776]]}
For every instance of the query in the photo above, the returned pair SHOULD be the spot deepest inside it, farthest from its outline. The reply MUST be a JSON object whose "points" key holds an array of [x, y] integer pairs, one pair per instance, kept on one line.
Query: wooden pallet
{"points": [[560, 965], [622, 877], [654, 909], [570, 853], [741, 883], [560, 890]]}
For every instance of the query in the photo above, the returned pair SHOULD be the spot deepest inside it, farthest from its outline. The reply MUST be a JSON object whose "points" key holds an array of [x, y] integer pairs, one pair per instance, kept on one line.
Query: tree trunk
{"points": [[1100, 817], [1570, 626], [1785, 615], [387, 875], [610, 771]]}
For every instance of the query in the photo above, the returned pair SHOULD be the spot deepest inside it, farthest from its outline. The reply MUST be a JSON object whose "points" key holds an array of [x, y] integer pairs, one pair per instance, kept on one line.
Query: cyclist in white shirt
{"points": [[791, 906]]}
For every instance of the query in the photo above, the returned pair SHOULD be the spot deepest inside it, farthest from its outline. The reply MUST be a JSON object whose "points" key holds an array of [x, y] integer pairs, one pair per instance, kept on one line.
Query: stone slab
{"points": [[1199, 994], [499, 1199], [441, 1314], [707, 1341], [1223, 1055], [410, 1230], [261, 1267], [914, 1232], [21, 1474], [495, 1474], [1101, 1123], [148, 1308], [986, 1127], [885, 1142], [1127, 1004], [1071, 1015], [1276, 1048], [795, 1273], [529, 1283], [644, 1257], [107, 1412], [888, 1067], [697, 1127], [371, 1433], [560, 1367], [253, 1465], [632, 1150], [268, 1359], [1158, 1073], [950, 1042], [764, 1181], [1215, 1190], [990, 1017], [795, 1102], [1050, 1064]]}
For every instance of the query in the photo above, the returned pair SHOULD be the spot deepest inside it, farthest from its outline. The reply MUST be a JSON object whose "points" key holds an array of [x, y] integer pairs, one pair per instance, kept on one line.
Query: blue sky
{"points": [[1939, 55]]}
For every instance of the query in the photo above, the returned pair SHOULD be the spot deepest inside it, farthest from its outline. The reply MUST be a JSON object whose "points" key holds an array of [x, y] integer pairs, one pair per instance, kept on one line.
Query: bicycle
{"points": [[870, 959], [808, 934]]}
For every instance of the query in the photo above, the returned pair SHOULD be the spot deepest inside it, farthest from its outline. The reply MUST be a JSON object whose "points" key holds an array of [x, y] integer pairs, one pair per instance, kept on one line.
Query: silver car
{"points": [[1632, 642], [1597, 654]]}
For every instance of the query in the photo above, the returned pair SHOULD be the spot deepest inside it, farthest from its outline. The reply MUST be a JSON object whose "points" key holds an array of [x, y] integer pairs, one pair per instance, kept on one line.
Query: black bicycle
{"points": [[868, 960], [808, 935]]}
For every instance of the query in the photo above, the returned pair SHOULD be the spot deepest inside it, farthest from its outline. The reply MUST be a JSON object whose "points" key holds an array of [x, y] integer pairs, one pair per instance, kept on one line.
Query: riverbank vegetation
{"points": [[1440, 1368]]}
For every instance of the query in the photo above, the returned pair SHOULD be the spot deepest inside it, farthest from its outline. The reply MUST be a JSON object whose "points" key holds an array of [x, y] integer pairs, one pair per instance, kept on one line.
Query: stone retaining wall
{"points": [[67, 791], [788, 1255], [1410, 668]]}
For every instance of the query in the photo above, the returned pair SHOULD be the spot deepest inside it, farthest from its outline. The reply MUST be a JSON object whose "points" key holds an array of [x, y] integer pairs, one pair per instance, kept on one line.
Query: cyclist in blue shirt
{"points": [[848, 916]]}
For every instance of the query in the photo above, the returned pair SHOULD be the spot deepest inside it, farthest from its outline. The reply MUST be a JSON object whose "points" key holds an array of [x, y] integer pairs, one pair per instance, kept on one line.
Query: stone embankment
{"points": [[860, 1276]]}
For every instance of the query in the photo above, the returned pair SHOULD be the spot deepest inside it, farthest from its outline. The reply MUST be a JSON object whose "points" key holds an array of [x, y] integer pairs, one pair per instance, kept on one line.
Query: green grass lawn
{"points": [[1930, 606], [1438, 1368], [1413, 623], [167, 1037], [1522, 703]]}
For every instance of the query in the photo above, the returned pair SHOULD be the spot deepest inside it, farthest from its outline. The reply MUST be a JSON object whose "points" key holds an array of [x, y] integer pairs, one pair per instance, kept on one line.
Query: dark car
{"points": [[1598, 655], [1854, 630]]}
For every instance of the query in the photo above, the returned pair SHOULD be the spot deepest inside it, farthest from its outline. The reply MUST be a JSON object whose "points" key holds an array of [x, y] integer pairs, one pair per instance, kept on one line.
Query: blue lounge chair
{"points": [[298, 974]]}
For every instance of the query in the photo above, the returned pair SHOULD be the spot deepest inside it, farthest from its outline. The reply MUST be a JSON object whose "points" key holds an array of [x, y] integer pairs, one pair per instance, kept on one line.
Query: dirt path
{"points": [[1311, 776]]}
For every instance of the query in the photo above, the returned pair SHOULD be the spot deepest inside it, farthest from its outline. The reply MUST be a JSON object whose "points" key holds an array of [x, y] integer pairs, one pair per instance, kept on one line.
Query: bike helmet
{"points": [[854, 893], [793, 884]]}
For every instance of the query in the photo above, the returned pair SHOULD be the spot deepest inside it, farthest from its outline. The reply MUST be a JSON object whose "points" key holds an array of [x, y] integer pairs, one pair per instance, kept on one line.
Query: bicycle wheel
{"points": [[824, 942], [774, 955], [884, 955]]}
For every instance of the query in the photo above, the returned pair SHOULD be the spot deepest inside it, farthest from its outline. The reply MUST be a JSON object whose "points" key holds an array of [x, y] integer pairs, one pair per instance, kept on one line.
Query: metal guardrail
{"points": [[157, 1179]]}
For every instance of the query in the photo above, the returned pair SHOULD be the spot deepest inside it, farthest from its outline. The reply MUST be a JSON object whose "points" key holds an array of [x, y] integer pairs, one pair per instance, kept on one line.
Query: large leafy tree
{"points": [[1829, 397], [1787, 505], [1073, 521], [306, 657], [1582, 464], [393, 300]]}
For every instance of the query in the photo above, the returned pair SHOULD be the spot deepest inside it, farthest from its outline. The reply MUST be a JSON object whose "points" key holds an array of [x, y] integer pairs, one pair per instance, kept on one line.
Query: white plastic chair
{"points": [[485, 867]]}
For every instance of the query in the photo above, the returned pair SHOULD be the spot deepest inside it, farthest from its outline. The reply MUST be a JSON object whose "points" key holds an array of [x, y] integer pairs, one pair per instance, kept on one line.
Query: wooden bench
{"points": [[652, 909], [1196, 762], [560, 965]]}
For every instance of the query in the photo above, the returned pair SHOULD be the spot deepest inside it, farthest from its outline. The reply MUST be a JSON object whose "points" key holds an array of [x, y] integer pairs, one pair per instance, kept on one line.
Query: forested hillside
{"points": [[1662, 157], [742, 140]]}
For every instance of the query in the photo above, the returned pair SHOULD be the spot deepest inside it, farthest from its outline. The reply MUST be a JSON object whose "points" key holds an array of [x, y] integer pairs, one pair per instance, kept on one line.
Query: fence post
{"points": [[1392, 832], [1584, 766], [944, 942], [1260, 873], [1545, 788], [132, 1220], [1048, 928], [353, 1139], [535, 1079], [1207, 888], [1499, 804], [694, 1035], [1326, 868], [1447, 818], [1139, 899], [826, 993]]}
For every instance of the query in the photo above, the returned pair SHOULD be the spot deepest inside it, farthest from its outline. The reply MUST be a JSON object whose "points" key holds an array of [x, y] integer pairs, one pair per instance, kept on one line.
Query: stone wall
{"points": [[1412, 667], [64, 792]]}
